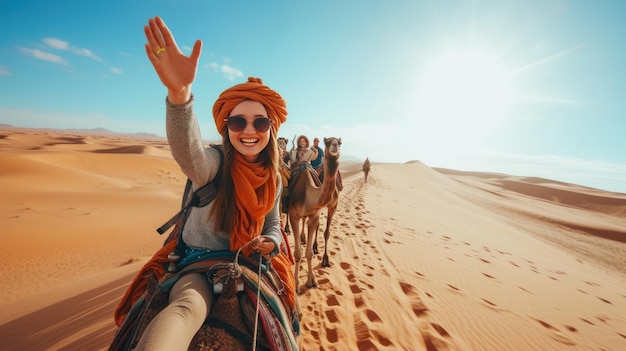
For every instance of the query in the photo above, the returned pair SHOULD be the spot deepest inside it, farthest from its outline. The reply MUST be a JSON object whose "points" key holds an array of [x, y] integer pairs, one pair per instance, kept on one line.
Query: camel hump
{"points": [[299, 169]]}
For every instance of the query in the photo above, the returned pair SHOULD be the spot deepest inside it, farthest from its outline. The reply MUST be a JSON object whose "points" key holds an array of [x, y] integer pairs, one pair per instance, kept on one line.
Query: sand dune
{"points": [[422, 258]]}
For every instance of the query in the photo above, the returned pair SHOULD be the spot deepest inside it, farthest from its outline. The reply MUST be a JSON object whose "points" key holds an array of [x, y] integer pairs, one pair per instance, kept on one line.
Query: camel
{"points": [[366, 168], [306, 203], [332, 207]]}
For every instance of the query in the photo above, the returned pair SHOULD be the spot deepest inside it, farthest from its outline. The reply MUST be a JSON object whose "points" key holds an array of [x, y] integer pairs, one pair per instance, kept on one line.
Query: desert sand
{"points": [[421, 258]]}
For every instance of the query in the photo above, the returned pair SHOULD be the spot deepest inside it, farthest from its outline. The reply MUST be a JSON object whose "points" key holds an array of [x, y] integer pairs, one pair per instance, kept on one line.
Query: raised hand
{"points": [[176, 71]]}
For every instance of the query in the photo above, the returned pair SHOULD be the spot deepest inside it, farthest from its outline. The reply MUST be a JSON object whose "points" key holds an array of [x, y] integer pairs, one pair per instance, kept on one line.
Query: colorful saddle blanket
{"points": [[280, 326]]}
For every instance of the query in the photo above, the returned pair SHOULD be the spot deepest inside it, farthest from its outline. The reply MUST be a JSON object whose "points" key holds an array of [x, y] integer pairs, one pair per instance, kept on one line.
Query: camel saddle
{"points": [[298, 169], [231, 322]]}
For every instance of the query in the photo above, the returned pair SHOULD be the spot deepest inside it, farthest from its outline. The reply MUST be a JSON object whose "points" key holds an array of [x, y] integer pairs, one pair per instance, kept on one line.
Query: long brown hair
{"points": [[224, 208]]}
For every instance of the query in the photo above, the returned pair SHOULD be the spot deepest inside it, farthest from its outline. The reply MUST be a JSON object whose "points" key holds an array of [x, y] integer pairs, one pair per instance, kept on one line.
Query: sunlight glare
{"points": [[462, 95]]}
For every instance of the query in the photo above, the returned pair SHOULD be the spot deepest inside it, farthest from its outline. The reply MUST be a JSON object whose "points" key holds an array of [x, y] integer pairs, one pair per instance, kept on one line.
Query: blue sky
{"points": [[528, 87]]}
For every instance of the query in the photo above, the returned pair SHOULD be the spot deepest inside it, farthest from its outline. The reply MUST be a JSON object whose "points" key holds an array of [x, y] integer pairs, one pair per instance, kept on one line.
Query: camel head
{"points": [[333, 146]]}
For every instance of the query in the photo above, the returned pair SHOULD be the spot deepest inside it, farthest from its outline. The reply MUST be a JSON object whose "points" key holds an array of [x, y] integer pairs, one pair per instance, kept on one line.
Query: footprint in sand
{"points": [[363, 335], [331, 335], [454, 288], [526, 290], [555, 333], [372, 315], [604, 300], [331, 315], [369, 286], [436, 338], [417, 305], [489, 303], [371, 246], [370, 271], [587, 321], [323, 281], [601, 319], [355, 289], [488, 275], [420, 275], [311, 309], [358, 301], [331, 300]]}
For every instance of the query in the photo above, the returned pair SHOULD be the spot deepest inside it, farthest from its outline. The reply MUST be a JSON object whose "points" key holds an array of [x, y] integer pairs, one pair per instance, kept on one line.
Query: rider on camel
{"points": [[303, 153]]}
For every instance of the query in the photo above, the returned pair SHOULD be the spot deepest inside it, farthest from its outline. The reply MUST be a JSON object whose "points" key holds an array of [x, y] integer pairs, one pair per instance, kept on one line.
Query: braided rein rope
{"points": [[258, 292]]}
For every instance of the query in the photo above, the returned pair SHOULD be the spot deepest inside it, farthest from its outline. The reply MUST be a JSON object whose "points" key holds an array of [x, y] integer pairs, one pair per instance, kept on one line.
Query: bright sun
{"points": [[462, 95]]}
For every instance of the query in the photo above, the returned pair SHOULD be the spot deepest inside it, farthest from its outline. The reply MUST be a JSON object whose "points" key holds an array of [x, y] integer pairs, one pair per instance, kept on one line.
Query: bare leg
{"points": [[175, 326]]}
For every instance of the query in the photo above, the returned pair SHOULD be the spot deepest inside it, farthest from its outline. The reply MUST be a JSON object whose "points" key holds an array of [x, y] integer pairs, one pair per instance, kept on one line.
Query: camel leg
{"points": [[284, 206], [287, 230], [302, 232], [315, 250], [313, 223], [297, 248], [331, 213]]}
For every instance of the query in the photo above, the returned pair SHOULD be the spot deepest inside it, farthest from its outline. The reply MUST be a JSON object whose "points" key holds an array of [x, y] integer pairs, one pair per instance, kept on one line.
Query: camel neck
{"points": [[331, 166]]}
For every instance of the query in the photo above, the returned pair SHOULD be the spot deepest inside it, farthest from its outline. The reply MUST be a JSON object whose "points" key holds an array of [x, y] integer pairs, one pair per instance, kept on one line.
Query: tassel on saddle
{"points": [[230, 315]]}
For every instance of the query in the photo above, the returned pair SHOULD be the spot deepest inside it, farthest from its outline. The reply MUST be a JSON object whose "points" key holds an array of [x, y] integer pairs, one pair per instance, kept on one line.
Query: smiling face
{"points": [[302, 142], [249, 142]]}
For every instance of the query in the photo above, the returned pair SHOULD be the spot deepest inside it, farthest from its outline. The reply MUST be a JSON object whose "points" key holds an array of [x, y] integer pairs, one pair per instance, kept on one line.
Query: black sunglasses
{"points": [[238, 123]]}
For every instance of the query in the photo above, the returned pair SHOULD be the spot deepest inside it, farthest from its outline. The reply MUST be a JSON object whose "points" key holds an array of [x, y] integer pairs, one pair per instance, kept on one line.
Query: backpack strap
{"points": [[199, 198]]}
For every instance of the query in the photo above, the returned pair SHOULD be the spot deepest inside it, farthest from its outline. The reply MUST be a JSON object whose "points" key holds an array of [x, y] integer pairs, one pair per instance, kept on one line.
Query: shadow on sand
{"points": [[82, 322]]}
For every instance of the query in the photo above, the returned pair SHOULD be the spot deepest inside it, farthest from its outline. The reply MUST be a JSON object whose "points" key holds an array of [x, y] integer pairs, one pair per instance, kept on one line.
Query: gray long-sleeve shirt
{"points": [[201, 164]]}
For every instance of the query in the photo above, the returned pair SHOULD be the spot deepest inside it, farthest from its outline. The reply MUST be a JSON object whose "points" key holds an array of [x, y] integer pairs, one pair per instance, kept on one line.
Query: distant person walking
{"points": [[366, 168]]}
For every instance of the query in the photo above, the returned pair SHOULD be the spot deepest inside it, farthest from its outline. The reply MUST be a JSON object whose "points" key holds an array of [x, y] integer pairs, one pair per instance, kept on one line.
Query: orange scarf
{"points": [[255, 192]]}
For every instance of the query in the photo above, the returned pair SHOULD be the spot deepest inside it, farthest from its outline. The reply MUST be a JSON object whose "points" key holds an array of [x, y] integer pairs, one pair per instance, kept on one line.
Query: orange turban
{"points": [[253, 89]]}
